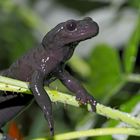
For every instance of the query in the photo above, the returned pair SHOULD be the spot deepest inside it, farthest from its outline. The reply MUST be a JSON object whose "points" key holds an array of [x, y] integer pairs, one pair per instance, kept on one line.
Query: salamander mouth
{"points": [[85, 35], [73, 44]]}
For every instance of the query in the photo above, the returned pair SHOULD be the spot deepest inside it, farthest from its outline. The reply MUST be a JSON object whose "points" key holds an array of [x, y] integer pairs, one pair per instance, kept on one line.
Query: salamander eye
{"points": [[71, 25]]}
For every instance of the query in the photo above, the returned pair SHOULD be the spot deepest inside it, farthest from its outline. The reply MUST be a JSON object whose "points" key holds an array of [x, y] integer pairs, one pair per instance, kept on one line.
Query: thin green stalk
{"points": [[13, 82], [118, 115], [94, 132], [97, 132], [133, 78], [57, 96]]}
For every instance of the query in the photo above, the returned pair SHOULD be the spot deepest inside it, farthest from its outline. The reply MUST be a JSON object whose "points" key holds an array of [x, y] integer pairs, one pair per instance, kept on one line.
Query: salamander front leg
{"points": [[74, 86], [42, 98]]}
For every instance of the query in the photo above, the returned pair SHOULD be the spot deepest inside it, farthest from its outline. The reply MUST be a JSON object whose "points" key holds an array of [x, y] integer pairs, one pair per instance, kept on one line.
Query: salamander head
{"points": [[71, 32]]}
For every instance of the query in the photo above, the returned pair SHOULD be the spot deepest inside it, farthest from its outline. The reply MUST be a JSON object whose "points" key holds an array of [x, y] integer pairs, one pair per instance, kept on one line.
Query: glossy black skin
{"points": [[44, 64]]}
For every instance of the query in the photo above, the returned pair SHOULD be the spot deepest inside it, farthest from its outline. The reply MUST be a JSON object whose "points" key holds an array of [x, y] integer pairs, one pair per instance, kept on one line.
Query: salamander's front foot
{"points": [[85, 99]]}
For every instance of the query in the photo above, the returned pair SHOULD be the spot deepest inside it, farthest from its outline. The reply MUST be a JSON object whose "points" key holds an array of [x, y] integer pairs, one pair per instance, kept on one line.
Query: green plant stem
{"points": [[94, 132], [98, 132], [133, 78], [56, 96]]}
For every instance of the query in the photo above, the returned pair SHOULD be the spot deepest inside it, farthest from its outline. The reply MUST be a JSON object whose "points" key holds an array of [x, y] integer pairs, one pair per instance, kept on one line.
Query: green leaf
{"points": [[106, 72], [129, 105], [103, 138], [131, 50], [134, 3]]}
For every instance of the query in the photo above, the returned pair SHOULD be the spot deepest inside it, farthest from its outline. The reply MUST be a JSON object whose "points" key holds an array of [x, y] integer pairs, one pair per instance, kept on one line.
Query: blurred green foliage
{"points": [[131, 50], [106, 74], [16, 31], [103, 72]]}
